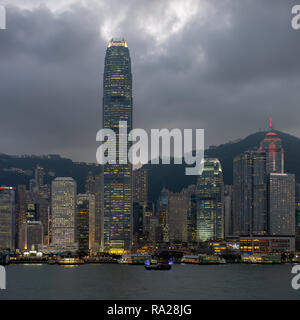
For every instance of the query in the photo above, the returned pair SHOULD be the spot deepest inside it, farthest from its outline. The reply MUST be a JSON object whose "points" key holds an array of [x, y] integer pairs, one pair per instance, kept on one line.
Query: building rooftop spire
{"points": [[270, 123]]}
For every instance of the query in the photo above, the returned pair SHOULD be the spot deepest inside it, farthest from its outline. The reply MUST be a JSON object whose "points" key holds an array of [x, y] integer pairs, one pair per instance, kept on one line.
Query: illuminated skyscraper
{"points": [[178, 210], [7, 218], [63, 211], [117, 178], [274, 152], [210, 202], [281, 204]]}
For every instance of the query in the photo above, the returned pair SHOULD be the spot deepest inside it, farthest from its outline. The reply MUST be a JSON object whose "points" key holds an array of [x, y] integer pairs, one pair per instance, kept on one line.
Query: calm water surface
{"points": [[109, 281]]}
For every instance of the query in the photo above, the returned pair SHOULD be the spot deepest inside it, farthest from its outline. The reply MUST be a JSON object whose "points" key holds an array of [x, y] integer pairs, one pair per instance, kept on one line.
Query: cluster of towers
{"points": [[114, 214]]}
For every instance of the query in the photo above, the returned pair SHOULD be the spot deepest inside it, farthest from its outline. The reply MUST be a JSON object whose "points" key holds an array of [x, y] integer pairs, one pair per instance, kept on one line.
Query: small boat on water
{"points": [[158, 266]]}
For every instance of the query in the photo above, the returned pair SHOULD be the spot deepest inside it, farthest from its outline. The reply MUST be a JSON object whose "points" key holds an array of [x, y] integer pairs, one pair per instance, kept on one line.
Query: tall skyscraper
{"points": [[7, 218], [272, 146], [63, 210], [250, 194], [117, 178], [178, 210], [281, 204], [210, 202]]}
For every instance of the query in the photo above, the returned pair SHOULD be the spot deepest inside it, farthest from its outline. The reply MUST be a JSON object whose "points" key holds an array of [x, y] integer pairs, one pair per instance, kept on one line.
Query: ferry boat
{"points": [[261, 258], [202, 259], [158, 266], [70, 261], [134, 259]]}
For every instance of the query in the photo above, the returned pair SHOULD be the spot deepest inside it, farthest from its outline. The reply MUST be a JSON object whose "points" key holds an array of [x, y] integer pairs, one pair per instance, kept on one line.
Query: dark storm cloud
{"points": [[225, 68]]}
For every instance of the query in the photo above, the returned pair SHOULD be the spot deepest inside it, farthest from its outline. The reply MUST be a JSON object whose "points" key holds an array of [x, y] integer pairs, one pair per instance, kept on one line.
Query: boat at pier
{"points": [[134, 259], [203, 259]]}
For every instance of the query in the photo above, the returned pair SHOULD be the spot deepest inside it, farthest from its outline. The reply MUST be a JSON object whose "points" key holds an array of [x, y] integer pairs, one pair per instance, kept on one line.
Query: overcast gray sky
{"points": [[221, 65]]}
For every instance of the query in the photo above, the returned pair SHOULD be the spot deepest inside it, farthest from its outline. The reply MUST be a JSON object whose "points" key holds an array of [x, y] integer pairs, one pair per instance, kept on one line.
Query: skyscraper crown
{"points": [[117, 43]]}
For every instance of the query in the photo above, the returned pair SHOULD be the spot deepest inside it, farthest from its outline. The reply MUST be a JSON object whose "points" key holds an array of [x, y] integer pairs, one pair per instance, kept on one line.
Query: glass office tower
{"points": [[63, 210], [117, 178], [210, 202]]}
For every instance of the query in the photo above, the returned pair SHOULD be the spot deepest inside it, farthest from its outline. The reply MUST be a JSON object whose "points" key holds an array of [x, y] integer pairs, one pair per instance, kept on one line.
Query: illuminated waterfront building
{"points": [[117, 178], [250, 194], [63, 207], [7, 218], [281, 204], [31, 235], [210, 202]]}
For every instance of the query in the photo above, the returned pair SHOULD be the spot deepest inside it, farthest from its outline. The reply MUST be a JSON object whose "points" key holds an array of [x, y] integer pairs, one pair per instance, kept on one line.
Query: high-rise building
{"points": [[117, 184], [163, 202], [281, 204], [90, 184], [23, 199], [98, 211], [63, 206], [210, 202], [272, 146], [137, 225], [7, 218], [93, 185], [178, 210], [192, 218], [39, 177], [32, 212], [140, 186], [31, 235], [85, 222], [228, 210], [250, 194], [44, 205]]}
